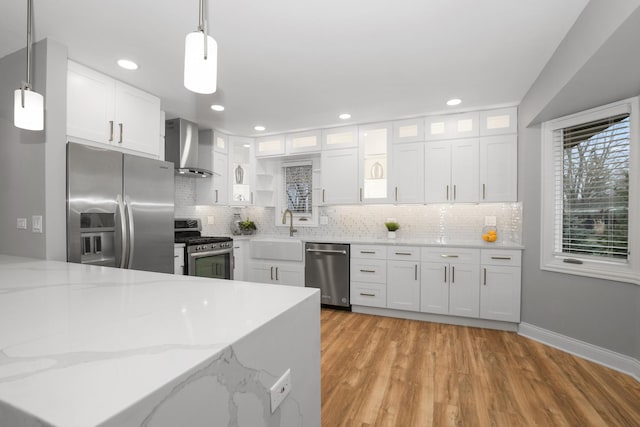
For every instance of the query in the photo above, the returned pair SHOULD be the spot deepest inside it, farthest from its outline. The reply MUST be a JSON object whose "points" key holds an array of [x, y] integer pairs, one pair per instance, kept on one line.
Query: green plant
{"points": [[392, 226], [247, 225]]}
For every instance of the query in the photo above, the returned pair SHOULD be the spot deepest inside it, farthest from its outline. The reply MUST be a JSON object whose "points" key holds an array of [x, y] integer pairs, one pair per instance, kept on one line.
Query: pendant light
{"points": [[28, 110], [201, 58]]}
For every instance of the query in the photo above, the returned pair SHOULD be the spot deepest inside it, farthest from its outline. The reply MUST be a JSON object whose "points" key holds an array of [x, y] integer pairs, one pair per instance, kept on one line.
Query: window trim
{"points": [[602, 269]]}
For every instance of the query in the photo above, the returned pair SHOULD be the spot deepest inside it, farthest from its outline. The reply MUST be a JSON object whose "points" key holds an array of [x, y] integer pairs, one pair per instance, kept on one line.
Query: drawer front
{"points": [[369, 271], [368, 252], [369, 294], [403, 253], [454, 255], [505, 257]]}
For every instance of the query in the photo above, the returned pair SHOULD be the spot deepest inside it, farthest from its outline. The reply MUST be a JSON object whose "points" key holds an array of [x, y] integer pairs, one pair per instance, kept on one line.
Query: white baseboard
{"points": [[620, 362]]}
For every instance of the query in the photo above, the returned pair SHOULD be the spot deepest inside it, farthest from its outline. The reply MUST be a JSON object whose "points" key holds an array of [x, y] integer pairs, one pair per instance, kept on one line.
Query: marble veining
{"points": [[80, 345]]}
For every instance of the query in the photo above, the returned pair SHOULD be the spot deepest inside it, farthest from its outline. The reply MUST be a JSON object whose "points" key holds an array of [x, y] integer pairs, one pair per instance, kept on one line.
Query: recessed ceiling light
{"points": [[216, 107], [345, 116], [127, 64], [454, 101], [259, 128], [246, 145]]}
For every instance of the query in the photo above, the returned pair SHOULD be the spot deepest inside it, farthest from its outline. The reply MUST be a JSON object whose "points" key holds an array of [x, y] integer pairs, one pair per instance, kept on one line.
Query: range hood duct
{"points": [[181, 148]]}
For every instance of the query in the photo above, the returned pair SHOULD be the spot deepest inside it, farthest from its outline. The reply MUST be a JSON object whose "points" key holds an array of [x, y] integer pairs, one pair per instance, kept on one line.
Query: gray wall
{"points": [[595, 64], [32, 164]]}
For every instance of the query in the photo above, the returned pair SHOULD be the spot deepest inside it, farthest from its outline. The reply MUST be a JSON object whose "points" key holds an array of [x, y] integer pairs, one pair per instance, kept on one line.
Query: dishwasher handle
{"points": [[327, 251]]}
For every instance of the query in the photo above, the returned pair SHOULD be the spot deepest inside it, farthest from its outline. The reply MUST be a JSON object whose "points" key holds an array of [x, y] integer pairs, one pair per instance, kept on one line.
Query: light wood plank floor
{"points": [[379, 371]]}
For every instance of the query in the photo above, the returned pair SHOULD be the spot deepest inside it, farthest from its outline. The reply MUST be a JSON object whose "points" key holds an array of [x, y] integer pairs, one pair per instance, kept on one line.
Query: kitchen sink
{"points": [[277, 248]]}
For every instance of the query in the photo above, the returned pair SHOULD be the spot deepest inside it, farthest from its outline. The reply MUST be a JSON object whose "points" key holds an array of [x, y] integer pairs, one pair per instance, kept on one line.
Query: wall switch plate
{"points": [[324, 220], [210, 220], [280, 390], [21, 224], [490, 221], [36, 223]]}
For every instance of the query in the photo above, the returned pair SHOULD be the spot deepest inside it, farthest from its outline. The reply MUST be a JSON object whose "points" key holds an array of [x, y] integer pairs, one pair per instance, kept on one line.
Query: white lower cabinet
{"points": [[277, 273], [500, 285], [178, 259], [239, 259], [403, 285], [369, 294], [449, 282]]}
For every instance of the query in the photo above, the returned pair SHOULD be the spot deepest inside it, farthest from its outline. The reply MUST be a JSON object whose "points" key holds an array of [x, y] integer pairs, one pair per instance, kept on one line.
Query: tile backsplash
{"points": [[444, 222]]}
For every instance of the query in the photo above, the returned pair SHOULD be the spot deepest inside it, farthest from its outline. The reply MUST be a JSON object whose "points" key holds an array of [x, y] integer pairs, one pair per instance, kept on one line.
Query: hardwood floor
{"points": [[379, 371]]}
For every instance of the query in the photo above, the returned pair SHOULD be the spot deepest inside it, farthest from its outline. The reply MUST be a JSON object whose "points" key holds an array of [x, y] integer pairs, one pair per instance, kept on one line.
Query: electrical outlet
{"points": [[280, 390], [210, 220], [490, 221], [36, 223], [22, 224]]}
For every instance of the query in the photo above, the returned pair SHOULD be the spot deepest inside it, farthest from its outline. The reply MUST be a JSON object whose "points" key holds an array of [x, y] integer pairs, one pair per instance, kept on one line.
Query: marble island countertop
{"points": [[80, 344]]}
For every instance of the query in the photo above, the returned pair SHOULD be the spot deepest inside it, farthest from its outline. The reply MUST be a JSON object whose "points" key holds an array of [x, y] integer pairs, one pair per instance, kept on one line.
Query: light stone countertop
{"points": [[476, 244], [80, 344]]}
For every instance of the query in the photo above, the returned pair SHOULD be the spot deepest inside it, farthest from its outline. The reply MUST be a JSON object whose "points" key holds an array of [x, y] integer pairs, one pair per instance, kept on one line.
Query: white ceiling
{"points": [[292, 65]]}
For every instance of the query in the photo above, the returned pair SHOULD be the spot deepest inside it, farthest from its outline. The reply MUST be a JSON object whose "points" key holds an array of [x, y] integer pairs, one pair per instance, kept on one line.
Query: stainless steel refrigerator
{"points": [[120, 209]]}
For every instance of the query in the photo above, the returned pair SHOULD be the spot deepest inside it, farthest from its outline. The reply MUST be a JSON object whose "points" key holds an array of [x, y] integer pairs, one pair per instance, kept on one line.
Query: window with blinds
{"points": [[592, 189], [298, 187]]}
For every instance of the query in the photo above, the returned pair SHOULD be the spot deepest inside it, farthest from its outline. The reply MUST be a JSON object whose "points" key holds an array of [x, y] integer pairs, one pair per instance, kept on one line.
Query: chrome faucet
{"points": [[284, 221]]}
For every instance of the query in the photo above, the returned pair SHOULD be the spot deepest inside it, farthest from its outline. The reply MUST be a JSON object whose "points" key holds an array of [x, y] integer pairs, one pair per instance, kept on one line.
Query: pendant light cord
{"points": [[202, 25], [27, 84]]}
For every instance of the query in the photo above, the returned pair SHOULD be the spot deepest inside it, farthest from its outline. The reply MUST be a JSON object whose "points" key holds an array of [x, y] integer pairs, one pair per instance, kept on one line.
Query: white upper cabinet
{"points": [[452, 126], [499, 168], [339, 177], [214, 190], [499, 122], [374, 143], [220, 142], [104, 110], [407, 169], [304, 142], [451, 171], [270, 146], [411, 130], [342, 137]]}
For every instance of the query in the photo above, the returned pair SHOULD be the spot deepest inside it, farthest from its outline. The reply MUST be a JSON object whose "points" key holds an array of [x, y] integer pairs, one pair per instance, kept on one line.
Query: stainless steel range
{"points": [[204, 256]]}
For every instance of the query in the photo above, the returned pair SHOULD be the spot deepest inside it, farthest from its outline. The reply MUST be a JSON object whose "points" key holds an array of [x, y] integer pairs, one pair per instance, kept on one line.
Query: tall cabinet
{"points": [[212, 155], [241, 170], [374, 143], [339, 166]]}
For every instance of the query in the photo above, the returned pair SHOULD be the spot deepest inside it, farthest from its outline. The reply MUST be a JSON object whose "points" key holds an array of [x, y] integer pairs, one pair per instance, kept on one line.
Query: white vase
{"points": [[391, 235]]}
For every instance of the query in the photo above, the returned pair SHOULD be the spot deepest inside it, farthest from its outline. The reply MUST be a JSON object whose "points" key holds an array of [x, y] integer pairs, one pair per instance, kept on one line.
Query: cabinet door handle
{"points": [[445, 274], [484, 191], [485, 276], [277, 272], [453, 274], [447, 192], [367, 271], [176, 256], [367, 252], [454, 191], [448, 256], [416, 271], [110, 130], [403, 253], [508, 258], [364, 294], [323, 195], [121, 132], [251, 197], [216, 196], [360, 193], [396, 194], [271, 272]]}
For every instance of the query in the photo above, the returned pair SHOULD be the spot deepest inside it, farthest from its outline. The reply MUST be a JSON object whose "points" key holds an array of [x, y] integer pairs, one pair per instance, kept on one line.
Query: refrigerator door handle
{"points": [[123, 231], [131, 238]]}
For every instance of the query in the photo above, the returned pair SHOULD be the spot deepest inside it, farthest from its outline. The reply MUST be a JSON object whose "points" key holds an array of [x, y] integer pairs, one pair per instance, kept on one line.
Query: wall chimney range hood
{"points": [[181, 148]]}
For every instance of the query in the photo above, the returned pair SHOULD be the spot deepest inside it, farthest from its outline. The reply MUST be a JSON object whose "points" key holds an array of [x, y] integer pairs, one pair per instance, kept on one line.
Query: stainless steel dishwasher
{"points": [[327, 268]]}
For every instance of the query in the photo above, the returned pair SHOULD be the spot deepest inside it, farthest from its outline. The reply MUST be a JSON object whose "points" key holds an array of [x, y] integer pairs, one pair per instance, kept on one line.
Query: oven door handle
{"points": [[210, 253]]}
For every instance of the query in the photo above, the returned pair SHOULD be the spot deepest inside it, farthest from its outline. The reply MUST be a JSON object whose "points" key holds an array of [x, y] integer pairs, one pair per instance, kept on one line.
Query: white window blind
{"points": [[298, 188], [591, 165]]}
